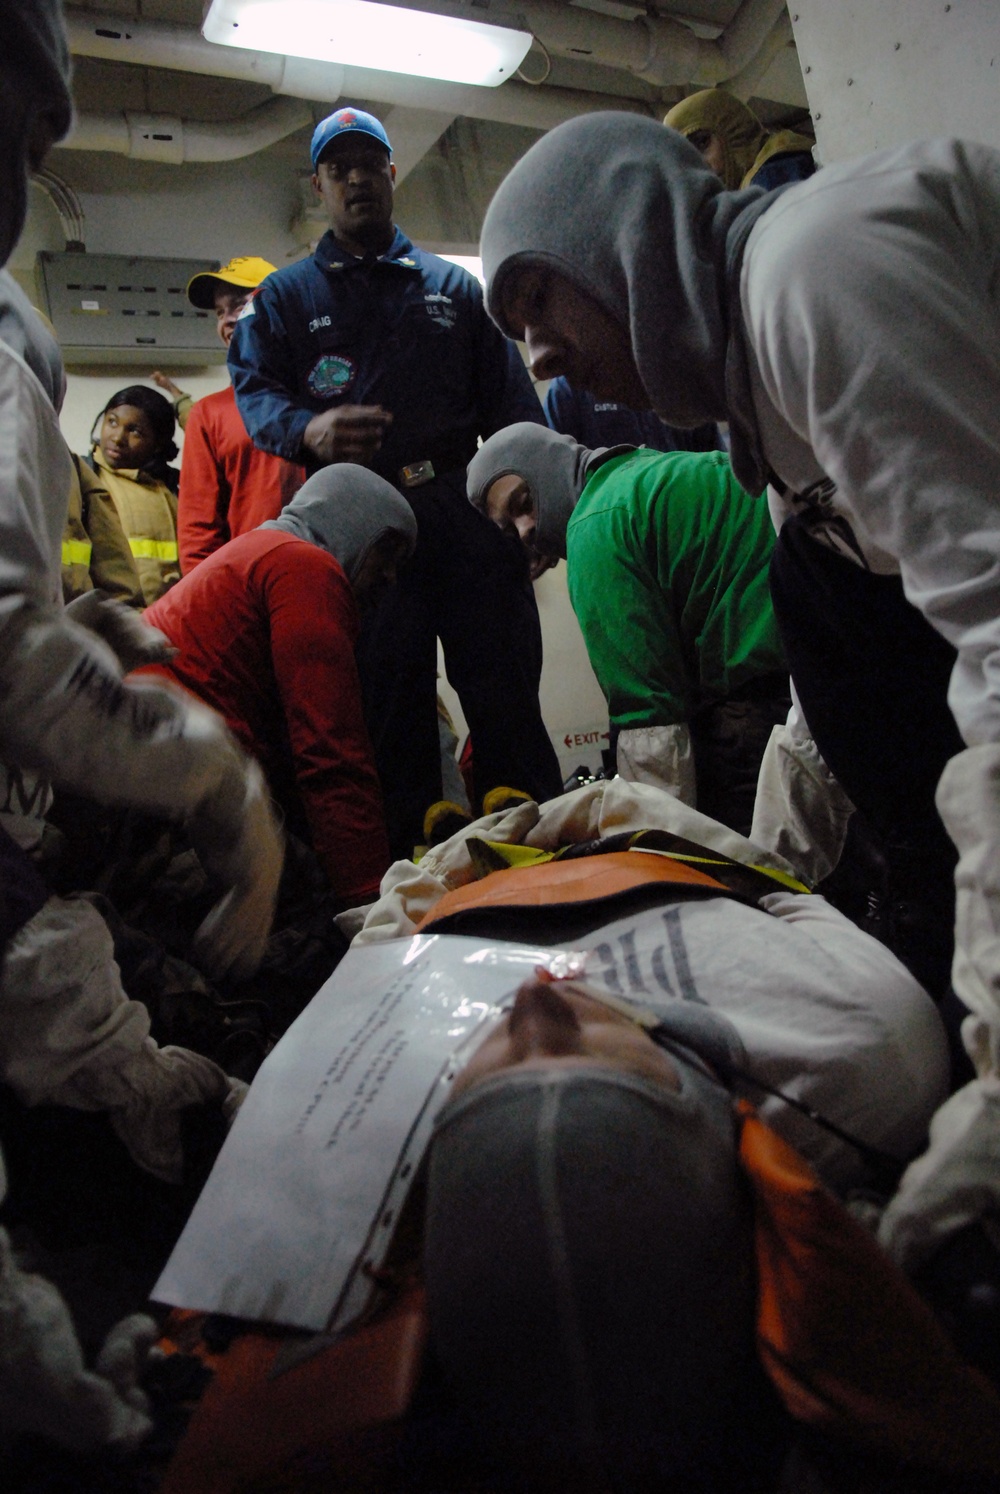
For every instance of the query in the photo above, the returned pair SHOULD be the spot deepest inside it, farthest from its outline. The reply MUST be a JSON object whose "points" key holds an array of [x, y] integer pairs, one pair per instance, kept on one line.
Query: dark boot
{"points": [[913, 912]]}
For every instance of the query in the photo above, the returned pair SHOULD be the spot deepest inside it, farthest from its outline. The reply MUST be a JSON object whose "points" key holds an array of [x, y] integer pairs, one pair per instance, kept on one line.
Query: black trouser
{"points": [[872, 676], [728, 739], [468, 585]]}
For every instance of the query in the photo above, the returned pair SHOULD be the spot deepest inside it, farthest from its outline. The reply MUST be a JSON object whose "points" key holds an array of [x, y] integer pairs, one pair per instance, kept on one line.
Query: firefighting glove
{"points": [[133, 641], [69, 1035], [45, 1387], [67, 713]]}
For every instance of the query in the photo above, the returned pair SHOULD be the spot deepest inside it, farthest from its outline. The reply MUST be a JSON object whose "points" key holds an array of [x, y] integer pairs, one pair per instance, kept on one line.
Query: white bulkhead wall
{"points": [[881, 72]]}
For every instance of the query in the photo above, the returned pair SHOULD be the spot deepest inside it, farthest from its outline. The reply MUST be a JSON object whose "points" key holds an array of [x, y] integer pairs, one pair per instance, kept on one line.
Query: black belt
{"points": [[436, 459]]}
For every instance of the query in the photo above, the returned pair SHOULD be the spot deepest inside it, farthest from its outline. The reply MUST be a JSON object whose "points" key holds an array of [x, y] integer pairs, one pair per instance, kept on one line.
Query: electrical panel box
{"points": [[113, 308]]}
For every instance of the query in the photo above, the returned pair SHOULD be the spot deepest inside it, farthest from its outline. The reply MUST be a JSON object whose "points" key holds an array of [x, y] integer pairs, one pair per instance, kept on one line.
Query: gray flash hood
{"points": [[345, 509], [628, 212], [555, 467], [589, 1265], [22, 329], [34, 84]]}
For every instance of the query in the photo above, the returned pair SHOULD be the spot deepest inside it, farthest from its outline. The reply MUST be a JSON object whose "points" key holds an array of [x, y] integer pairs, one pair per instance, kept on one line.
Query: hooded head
{"points": [[555, 468], [351, 513], [649, 250], [589, 1265], [35, 106], [740, 134]]}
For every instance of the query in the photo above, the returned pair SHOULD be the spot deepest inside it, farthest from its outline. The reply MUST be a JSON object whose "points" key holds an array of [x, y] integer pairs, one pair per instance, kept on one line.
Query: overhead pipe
{"points": [[183, 49], [735, 48], [744, 84], [165, 137], [656, 48]]}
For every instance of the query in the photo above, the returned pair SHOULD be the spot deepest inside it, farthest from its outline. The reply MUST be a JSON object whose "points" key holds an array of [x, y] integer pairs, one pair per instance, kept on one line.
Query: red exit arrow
{"points": [[584, 738]]}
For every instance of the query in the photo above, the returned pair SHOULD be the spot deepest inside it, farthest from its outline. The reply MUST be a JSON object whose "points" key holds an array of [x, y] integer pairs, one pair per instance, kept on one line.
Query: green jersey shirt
{"points": [[668, 575]]}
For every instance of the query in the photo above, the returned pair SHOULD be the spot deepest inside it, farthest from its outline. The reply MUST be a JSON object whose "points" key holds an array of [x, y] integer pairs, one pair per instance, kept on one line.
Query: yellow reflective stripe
{"points": [[782, 877], [765, 871], [76, 552], [165, 550]]}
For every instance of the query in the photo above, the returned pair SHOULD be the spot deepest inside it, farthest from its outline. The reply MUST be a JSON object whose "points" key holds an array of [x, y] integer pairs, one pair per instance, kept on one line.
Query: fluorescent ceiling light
{"points": [[362, 33]]}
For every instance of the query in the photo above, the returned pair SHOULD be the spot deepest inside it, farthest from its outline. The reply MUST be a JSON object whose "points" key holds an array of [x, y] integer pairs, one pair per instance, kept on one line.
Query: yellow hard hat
{"points": [[244, 273]]}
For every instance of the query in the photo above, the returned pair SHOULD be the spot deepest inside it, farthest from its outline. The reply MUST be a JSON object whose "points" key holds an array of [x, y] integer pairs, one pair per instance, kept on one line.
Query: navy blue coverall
{"points": [[408, 331]]}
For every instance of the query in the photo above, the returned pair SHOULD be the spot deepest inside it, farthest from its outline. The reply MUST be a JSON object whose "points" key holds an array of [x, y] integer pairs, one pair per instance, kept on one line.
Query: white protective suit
{"points": [[861, 373], [800, 811], [661, 756], [68, 1032], [871, 298]]}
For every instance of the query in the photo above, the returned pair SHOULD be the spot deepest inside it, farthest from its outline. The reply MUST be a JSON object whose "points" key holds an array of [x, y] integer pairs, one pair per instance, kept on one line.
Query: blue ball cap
{"points": [[343, 122]]}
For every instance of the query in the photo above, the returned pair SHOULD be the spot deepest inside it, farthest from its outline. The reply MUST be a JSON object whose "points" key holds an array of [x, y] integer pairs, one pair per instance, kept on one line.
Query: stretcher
{"points": [[855, 1354]]}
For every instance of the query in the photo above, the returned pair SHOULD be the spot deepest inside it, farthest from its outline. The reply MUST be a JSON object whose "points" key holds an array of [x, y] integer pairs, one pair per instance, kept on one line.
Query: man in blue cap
{"points": [[372, 351]]}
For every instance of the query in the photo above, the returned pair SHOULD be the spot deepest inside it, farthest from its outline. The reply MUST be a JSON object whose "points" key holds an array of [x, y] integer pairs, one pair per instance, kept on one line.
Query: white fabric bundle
{"points": [[408, 892]]}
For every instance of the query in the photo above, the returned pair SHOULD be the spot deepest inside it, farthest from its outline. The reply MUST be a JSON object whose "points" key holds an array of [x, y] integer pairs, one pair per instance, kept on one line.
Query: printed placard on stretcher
{"points": [[301, 1204]]}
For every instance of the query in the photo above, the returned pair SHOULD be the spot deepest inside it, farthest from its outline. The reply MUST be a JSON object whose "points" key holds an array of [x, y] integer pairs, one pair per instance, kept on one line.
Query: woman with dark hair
{"points": [[130, 452]]}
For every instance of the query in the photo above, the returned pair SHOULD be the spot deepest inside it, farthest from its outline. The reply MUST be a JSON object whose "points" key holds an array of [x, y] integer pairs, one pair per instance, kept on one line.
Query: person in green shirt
{"points": [[668, 563]]}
